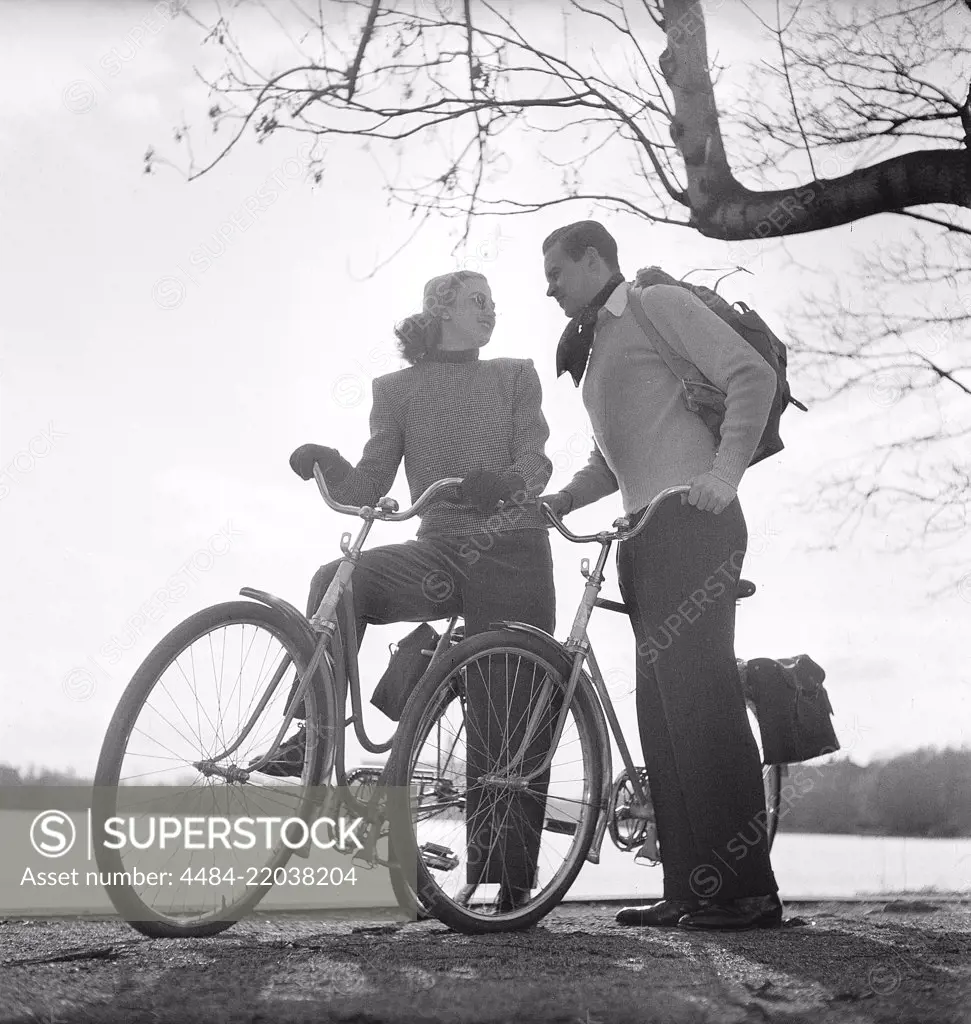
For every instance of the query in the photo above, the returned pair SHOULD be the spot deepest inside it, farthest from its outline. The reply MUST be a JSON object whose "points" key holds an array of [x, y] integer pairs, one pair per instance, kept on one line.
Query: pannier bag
{"points": [[405, 669], [792, 706]]}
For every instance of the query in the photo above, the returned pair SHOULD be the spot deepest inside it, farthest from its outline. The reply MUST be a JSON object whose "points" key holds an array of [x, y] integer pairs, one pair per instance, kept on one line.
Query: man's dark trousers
{"points": [[486, 578], [679, 581]]}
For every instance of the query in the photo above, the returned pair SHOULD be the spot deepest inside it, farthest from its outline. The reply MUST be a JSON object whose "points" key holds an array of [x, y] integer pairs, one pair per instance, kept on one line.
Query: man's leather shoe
{"points": [[664, 914], [736, 915]]}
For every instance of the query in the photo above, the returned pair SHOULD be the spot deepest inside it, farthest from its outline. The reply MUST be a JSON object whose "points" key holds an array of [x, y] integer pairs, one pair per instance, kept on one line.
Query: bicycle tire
{"points": [[320, 705], [416, 719]]}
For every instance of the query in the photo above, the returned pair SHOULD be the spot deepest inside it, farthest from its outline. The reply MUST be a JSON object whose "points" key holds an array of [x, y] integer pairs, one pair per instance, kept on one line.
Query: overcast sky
{"points": [[166, 345]]}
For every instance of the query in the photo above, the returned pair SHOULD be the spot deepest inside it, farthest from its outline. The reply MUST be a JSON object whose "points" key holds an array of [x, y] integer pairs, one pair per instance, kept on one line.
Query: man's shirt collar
{"points": [[617, 302]]}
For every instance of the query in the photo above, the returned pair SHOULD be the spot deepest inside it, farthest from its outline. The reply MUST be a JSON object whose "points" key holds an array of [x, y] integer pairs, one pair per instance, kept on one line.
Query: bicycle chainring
{"points": [[629, 824]]}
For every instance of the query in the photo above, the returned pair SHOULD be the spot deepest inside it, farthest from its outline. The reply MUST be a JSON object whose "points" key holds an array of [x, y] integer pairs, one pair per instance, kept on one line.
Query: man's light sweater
{"points": [[646, 440]]}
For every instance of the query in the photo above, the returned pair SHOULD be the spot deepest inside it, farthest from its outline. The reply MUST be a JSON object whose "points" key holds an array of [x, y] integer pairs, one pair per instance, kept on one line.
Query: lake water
{"points": [[809, 866]]}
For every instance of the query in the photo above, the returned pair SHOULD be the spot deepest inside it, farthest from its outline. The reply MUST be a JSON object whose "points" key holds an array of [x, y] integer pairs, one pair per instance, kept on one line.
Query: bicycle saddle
{"points": [[746, 588]]}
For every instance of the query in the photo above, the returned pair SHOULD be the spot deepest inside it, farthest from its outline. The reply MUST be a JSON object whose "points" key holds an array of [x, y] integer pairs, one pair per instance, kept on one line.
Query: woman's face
{"points": [[472, 319]]}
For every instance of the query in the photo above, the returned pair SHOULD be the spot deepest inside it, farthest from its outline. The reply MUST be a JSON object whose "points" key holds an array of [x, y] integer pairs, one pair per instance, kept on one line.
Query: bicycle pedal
{"points": [[561, 828], [648, 855], [367, 856], [438, 858], [292, 834], [361, 859]]}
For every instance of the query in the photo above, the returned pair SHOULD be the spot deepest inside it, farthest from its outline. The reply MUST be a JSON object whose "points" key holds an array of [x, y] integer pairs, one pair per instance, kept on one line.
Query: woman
{"points": [[452, 414]]}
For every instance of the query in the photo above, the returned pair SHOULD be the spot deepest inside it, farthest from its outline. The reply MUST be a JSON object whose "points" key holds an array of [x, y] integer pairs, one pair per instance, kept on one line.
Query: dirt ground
{"points": [[903, 960]]}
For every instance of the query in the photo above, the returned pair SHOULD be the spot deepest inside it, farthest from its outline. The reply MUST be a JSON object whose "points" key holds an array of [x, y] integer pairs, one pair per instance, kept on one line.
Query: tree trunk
{"points": [[721, 207]]}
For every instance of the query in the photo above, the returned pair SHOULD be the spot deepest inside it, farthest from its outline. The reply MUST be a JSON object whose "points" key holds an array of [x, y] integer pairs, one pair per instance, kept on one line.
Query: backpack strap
{"points": [[682, 368]]}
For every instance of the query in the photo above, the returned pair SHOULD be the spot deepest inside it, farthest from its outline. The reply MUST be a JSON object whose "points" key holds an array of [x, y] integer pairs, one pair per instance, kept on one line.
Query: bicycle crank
{"points": [[632, 824]]}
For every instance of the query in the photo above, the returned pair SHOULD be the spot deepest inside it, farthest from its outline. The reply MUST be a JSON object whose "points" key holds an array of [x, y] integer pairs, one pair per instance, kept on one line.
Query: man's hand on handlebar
{"points": [[709, 494], [334, 466], [560, 502]]}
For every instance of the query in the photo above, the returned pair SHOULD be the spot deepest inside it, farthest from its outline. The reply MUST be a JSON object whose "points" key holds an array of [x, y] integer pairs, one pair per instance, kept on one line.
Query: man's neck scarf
{"points": [[573, 351]]}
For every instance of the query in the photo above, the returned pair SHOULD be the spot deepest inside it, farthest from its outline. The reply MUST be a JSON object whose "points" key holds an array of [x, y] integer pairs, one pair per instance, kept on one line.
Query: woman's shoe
{"points": [[288, 762], [665, 914], [736, 915]]}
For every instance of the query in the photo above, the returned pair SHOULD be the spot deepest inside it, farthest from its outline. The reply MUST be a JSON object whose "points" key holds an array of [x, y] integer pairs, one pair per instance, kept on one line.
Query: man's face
{"points": [[573, 283]]}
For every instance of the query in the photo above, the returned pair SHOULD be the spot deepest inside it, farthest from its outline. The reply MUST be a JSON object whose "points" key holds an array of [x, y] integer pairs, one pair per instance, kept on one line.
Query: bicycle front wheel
{"points": [[495, 842], [205, 705]]}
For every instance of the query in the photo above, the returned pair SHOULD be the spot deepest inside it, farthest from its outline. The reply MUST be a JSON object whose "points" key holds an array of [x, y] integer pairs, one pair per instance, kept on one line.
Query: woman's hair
{"points": [[421, 333]]}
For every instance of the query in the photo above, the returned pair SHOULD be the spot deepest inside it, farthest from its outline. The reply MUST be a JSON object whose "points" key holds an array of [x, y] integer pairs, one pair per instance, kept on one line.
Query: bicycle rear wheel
{"points": [[771, 781], [189, 703], [450, 785]]}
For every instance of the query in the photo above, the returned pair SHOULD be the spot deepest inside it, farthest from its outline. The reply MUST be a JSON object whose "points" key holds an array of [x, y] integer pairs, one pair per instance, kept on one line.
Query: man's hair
{"points": [[576, 238]]}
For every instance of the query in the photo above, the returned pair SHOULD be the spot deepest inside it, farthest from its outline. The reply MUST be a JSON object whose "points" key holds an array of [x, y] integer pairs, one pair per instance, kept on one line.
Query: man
{"points": [[679, 576]]}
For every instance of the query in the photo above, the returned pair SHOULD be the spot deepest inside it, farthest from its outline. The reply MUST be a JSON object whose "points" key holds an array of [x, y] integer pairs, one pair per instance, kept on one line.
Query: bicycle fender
{"points": [[294, 617], [525, 627]]}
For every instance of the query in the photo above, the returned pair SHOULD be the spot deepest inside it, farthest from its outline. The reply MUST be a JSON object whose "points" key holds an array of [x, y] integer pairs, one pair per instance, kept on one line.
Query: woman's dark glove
{"points": [[483, 490], [333, 465]]}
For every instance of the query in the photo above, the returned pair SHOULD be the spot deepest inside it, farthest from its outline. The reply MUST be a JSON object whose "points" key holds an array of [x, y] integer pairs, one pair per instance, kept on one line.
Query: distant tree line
{"points": [[33, 776], [922, 793]]}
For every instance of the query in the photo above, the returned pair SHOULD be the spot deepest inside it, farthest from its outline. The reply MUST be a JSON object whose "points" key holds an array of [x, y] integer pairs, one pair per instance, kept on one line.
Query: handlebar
{"points": [[622, 528], [387, 508]]}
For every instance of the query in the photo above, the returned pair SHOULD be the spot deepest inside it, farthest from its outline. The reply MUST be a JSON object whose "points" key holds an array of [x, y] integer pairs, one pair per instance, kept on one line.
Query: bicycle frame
{"points": [[341, 650], [578, 649]]}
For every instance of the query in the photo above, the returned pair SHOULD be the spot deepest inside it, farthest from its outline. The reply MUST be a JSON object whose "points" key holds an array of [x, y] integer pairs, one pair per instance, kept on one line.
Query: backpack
{"points": [[701, 396]]}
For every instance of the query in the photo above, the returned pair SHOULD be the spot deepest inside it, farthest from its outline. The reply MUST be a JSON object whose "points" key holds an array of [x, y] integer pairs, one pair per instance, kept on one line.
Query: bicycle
{"points": [[164, 732], [566, 721]]}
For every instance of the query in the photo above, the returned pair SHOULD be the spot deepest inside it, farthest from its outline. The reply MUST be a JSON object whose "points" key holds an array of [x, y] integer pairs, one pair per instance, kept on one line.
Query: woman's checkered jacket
{"points": [[447, 419]]}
